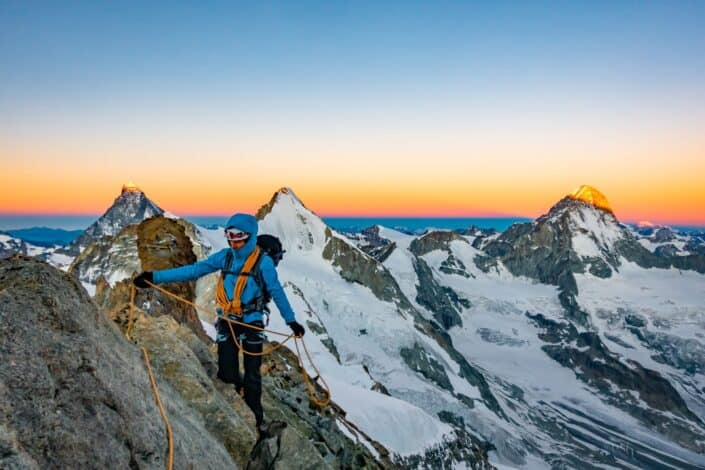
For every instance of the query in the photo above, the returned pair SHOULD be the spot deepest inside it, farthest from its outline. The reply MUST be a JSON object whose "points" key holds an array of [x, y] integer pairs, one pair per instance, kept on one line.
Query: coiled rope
{"points": [[320, 402]]}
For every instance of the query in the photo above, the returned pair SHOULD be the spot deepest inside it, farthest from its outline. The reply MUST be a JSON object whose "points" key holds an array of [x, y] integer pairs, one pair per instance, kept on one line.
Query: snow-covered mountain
{"points": [[130, 207], [108, 248], [575, 363], [568, 341], [381, 358], [10, 245]]}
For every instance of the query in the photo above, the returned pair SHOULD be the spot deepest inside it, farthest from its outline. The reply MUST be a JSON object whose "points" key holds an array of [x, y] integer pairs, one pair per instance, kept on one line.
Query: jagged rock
{"points": [[436, 240], [312, 436], [10, 245], [595, 365], [636, 320], [543, 250], [378, 387], [112, 256], [633, 251], [355, 266], [422, 362], [681, 353], [475, 231], [666, 251], [462, 448], [662, 235], [453, 265], [442, 301], [497, 337], [74, 393], [370, 241], [695, 247], [283, 441], [472, 375], [223, 413]]}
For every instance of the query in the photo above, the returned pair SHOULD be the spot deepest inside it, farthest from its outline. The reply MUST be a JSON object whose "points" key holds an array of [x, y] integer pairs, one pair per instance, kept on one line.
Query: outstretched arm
{"points": [[274, 287], [192, 271]]}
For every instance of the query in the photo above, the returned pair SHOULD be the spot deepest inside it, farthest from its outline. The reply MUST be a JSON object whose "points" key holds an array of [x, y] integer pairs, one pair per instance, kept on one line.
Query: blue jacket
{"points": [[216, 261]]}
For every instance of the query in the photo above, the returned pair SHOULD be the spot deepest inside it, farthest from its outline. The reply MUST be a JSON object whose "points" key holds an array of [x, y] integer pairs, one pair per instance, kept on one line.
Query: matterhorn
{"points": [[130, 207]]}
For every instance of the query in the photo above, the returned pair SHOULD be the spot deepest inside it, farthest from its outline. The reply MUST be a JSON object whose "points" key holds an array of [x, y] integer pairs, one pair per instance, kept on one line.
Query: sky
{"points": [[363, 108]]}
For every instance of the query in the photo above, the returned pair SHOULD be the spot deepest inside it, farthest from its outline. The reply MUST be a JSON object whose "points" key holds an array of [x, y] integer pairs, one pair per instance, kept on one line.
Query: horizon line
{"points": [[687, 224]]}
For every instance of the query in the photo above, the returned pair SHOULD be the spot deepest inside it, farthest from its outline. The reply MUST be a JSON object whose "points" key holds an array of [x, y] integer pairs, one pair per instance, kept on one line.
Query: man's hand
{"points": [[297, 328], [143, 278]]}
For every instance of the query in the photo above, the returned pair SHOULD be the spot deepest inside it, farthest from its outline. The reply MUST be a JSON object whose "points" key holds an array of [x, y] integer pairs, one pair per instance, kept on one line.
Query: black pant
{"points": [[229, 367]]}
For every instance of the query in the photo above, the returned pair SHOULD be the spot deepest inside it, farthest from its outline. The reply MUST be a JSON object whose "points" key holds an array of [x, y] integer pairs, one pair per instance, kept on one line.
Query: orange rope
{"points": [[132, 313], [155, 391], [169, 433], [309, 385]]}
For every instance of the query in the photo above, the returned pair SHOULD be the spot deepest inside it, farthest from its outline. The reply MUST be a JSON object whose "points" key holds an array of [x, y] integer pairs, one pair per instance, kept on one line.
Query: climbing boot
{"points": [[269, 429]]}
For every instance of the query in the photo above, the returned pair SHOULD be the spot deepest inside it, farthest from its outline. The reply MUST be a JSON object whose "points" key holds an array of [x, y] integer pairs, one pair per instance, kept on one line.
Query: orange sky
{"points": [[479, 178]]}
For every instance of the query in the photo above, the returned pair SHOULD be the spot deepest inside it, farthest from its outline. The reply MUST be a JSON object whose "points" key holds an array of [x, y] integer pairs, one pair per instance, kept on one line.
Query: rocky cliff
{"points": [[75, 392]]}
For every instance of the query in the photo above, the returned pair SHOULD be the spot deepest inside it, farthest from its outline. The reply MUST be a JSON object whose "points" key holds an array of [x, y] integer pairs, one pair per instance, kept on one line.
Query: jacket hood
{"points": [[245, 223]]}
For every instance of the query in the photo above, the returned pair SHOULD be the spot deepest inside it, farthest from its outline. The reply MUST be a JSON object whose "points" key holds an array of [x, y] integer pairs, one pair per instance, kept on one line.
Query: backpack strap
{"points": [[235, 306]]}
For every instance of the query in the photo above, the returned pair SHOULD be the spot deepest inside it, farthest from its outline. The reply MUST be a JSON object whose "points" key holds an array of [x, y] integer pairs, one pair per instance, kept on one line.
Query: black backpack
{"points": [[272, 246]]}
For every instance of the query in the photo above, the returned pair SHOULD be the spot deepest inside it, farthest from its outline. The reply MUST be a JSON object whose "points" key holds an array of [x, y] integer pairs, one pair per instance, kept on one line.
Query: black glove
{"points": [[296, 328], [141, 280]]}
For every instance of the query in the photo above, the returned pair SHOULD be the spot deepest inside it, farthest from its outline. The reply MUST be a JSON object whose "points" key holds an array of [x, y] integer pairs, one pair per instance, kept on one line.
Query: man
{"points": [[241, 298]]}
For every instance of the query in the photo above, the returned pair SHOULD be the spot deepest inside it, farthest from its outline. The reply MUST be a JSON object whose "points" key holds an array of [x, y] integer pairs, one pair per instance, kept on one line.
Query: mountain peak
{"points": [[282, 194], [132, 206], [592, 196], [130, 188], [288, 218]]}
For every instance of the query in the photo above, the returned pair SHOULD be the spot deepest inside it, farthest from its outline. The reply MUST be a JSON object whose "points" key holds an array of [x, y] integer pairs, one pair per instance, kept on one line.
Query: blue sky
{"points": [[519, 90]]}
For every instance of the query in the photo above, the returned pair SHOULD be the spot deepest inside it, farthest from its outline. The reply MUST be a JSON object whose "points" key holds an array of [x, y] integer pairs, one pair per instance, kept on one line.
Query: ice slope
{"points": [[353, 337], [544, 399], [655, 317], [595, 232], [367, 333]]}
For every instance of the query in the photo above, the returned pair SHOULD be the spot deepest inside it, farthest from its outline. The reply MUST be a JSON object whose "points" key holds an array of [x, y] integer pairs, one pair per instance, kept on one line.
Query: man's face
{"points": [[236, 238], [237, 244]]}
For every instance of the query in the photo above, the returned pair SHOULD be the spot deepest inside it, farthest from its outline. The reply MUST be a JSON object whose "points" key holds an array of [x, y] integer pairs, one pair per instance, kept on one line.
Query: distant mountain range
{"points": [[45, 236], [569, 341]]}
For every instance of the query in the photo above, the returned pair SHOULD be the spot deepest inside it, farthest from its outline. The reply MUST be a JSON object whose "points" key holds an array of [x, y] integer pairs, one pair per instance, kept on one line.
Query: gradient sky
{"points": [[364, 108]]}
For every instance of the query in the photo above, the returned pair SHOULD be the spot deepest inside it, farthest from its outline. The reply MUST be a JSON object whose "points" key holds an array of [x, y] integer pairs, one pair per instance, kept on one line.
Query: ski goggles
{"points": [[235, 235]]}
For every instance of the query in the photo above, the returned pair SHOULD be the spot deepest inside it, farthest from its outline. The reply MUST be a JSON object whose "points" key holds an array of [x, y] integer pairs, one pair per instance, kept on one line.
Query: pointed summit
{"points": [[130, 188], [130, 207], [590, 195], [287, 217], [282, 194]]}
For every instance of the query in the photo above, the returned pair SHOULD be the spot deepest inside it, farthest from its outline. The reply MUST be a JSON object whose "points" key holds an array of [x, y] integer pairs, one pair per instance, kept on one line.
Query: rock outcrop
{"points": [[74, 392]]}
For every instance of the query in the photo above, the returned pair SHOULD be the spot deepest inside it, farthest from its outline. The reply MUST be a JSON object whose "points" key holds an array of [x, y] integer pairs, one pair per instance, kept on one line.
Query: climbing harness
{"points": [[320, 402], [235, 306]]}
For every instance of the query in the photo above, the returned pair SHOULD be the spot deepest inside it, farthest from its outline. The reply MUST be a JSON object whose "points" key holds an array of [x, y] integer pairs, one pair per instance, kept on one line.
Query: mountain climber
{"points": [[243, 256]]}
